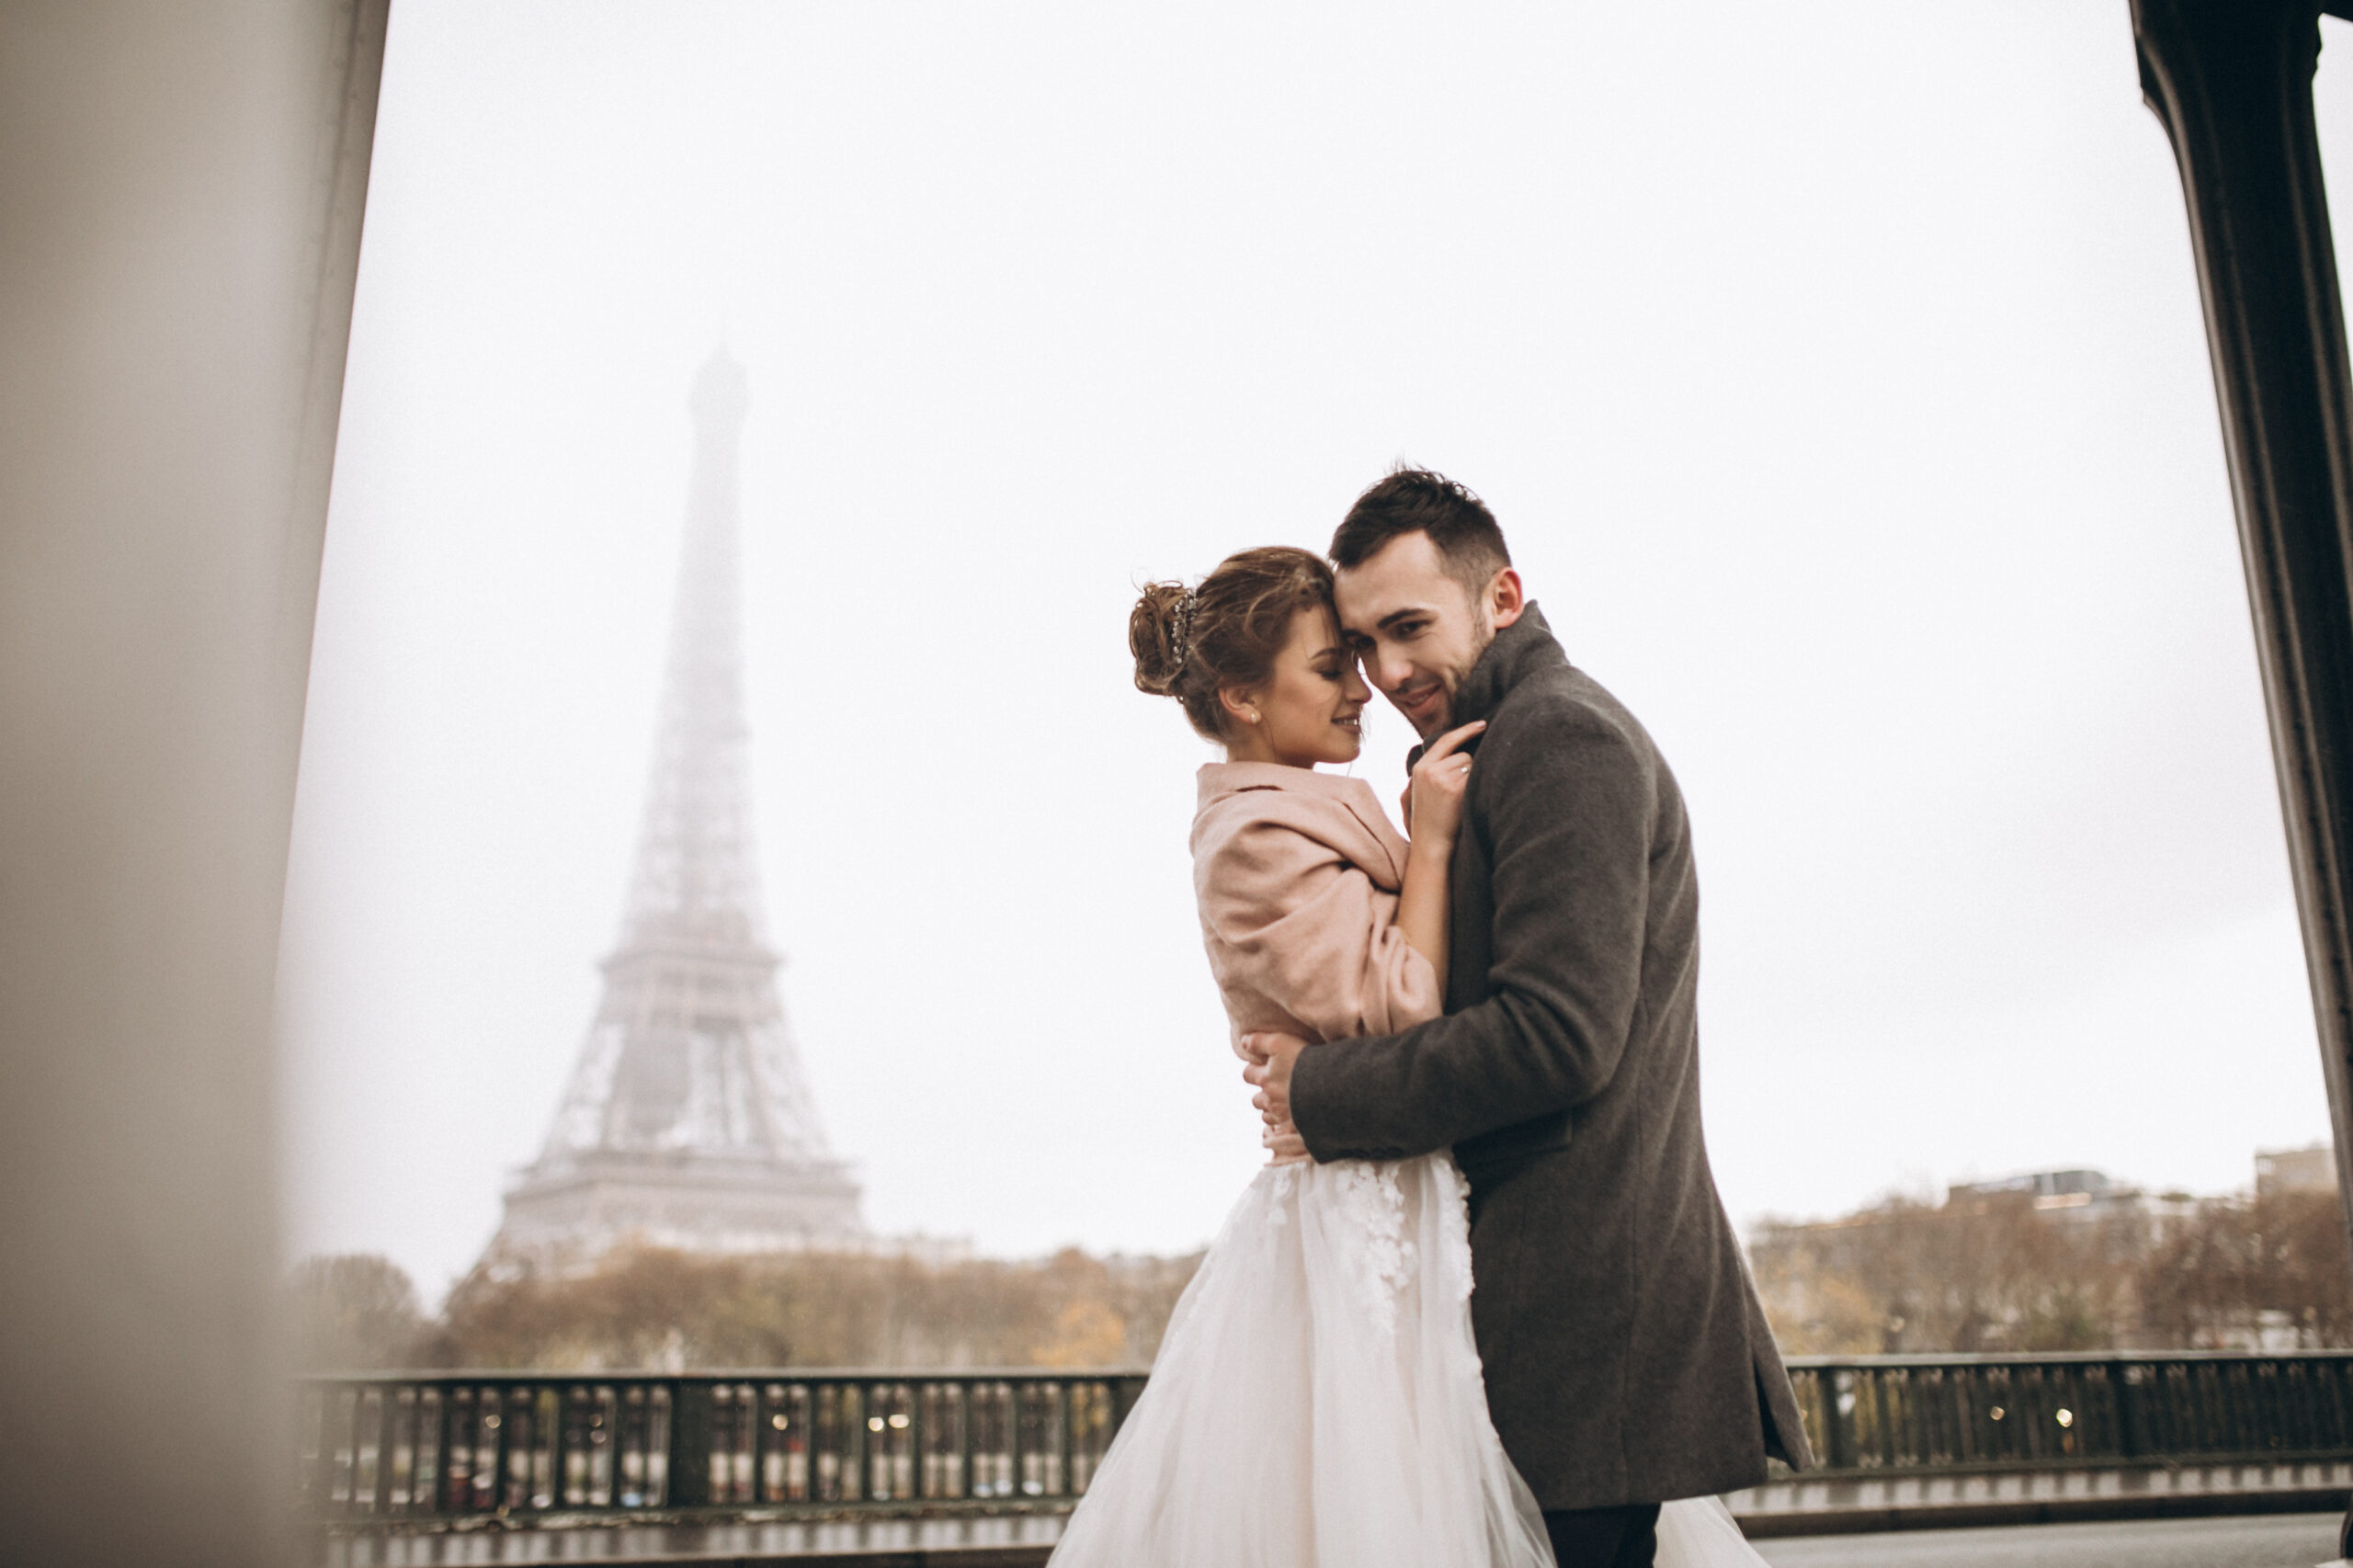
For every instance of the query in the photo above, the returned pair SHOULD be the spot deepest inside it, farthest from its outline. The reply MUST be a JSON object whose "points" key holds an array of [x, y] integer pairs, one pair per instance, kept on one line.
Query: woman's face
{"points": [[1309, 709]]}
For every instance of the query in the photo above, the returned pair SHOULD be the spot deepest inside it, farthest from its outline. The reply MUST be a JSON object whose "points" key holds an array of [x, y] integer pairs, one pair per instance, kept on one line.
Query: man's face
{"points": [[1417, 631]]}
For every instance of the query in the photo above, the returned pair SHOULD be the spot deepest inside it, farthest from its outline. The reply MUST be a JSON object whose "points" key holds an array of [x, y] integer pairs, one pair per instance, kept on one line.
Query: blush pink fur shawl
{"points": [[1297, 873]]}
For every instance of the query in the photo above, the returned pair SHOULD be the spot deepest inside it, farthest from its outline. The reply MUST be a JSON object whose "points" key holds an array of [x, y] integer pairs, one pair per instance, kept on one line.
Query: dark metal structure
{"points": [[1945, 1414], [431, 1449], [2232, 80], [689, 1122], [517, 1443]]}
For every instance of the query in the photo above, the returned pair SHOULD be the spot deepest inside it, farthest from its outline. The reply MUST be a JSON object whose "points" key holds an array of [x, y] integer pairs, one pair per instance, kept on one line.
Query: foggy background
{"points": [[1836, 370]]}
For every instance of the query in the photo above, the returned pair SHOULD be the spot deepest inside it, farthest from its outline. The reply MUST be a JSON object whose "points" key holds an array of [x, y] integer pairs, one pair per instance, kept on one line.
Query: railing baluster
{"points": [[1837, 1432], [1013, 1477], [1068, 1404], [630, 1448], [879, 1475], [968, 1418], [502, 1451], [660, 1414], [2136, 1401], [726, 1442], [411, 1442], [2240, 1436], [861, 1410], [767, 1445], [800, 1458], [906, 1442], [604, 1448], [686, 1465], [347, 1452], [310, 1470]]}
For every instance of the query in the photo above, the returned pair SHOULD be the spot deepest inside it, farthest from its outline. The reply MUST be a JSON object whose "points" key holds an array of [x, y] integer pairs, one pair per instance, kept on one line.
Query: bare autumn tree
{"points": [[2308, 1267], [353, 1312], [1985, 1273], [2243, 1269]]}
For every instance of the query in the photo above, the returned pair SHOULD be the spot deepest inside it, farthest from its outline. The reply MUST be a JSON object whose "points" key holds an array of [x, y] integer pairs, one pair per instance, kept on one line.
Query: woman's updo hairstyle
{"points": [[1188, 642]]}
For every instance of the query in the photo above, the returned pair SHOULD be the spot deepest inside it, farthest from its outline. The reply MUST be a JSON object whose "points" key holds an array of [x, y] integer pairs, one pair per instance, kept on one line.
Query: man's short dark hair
{"points": [[1415, 500]]}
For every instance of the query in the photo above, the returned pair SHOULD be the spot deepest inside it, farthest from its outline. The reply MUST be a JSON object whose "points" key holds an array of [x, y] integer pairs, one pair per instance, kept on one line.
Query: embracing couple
{"points": [[1477, 1059]]}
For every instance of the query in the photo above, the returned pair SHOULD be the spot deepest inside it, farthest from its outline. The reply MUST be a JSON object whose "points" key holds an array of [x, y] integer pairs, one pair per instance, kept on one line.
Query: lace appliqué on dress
{"points": [[1454, 1230], [1373, 1208], [1282, 1191], [1449, 1239]]}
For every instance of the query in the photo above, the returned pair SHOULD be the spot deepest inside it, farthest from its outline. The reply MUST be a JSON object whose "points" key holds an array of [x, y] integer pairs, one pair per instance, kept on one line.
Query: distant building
{"points": [[2079, 1195], [2295, 1170], [2049, 1189]]}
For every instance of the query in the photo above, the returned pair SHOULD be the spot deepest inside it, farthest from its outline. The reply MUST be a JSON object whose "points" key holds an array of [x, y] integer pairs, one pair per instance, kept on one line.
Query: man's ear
{"points": [[1505, 599]]}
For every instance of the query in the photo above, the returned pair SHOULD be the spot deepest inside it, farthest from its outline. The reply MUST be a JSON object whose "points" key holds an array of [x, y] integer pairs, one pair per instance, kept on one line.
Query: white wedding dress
{"points": [[1317, 1400]]}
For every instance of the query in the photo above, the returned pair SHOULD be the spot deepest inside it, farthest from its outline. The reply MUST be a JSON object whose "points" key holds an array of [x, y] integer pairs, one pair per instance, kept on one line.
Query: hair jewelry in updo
{"points": [[1225, 631]]}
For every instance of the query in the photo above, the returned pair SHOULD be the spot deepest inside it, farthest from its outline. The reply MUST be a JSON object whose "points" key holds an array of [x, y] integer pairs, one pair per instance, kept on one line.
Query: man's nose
{"points": [[1388, 673]]}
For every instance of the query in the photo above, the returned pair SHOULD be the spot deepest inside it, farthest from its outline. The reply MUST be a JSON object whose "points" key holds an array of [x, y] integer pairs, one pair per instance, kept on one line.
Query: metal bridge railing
{"points": [[404, 1446], [1880, 1414], [419, 1447]]}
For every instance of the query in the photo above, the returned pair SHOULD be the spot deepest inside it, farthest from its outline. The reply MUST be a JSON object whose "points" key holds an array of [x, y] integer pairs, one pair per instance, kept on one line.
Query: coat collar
{"points": [[1353, 796], [1519, 650], [1217, 779]]}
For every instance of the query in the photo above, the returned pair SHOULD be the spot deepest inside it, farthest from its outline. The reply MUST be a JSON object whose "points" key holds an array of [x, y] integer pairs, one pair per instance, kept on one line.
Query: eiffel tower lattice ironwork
{"points": [[687, 1123]]}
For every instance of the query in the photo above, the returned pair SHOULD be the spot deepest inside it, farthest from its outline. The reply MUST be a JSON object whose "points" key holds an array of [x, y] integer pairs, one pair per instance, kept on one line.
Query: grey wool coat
{"points": [[1627, 1358]]}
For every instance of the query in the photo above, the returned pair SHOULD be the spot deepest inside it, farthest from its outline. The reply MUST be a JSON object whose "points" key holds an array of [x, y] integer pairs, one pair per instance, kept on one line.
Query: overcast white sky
{"points": [[1836, 370]]}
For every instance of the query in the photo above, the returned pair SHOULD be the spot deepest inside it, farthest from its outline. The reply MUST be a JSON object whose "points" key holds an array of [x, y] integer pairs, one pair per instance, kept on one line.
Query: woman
{"points": [[1317, 1397]]}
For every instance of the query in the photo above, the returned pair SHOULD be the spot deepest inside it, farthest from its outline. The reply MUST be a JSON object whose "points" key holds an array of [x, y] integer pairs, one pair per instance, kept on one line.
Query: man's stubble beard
{"points": [[1443, 720]]}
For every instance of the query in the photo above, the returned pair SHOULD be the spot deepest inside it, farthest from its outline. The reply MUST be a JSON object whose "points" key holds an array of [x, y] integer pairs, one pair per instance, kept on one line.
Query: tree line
{"points": [[1995, 1272], [648, 1307], [1984, 1274]]}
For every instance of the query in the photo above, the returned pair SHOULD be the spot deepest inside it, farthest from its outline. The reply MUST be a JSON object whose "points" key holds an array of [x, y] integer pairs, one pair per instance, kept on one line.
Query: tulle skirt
{"points": [[1317, 1400]]}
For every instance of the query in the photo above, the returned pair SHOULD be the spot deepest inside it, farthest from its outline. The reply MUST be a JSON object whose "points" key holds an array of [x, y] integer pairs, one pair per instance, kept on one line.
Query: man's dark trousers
{"points": [[1605, 1538]]}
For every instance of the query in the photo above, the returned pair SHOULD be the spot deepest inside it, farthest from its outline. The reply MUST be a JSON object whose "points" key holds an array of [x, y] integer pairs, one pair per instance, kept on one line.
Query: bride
{"points": [[1317, 1400]]}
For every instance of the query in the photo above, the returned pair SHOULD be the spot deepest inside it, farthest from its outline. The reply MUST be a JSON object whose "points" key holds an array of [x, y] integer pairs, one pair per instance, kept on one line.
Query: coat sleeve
{"points": [[1570, 806], [1287, 918]]}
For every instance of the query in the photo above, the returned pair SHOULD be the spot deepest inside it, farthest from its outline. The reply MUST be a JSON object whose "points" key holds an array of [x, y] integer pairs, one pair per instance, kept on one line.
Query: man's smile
{"points": [[1416, 699]]}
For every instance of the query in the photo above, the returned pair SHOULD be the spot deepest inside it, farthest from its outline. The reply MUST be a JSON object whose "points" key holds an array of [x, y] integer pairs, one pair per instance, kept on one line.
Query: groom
{"points": [[1628, 1361]]}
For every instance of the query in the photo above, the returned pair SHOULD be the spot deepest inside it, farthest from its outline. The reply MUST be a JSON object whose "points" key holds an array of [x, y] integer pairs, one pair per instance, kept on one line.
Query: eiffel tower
{"points": [[687, 1123]]}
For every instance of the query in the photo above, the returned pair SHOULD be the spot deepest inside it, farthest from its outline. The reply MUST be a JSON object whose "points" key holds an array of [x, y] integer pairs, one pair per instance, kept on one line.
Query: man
{"points": [[1628, 1359]]}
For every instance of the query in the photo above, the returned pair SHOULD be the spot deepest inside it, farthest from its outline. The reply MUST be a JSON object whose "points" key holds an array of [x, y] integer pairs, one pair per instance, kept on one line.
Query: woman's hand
{"points": [[1271, 1054], [1433, 812], [1434, 797]]}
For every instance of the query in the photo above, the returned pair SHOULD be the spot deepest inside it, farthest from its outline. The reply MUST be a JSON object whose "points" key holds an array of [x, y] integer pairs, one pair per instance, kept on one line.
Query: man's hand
{"points": [[1271, 1057]]}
